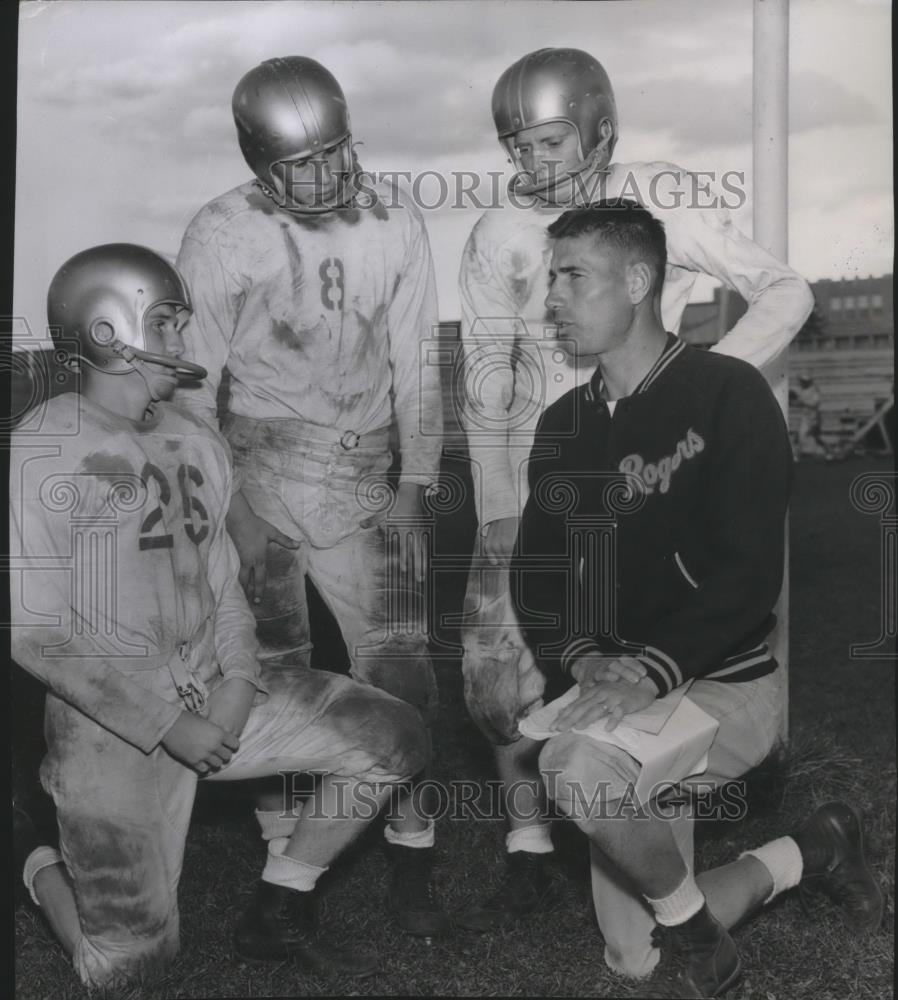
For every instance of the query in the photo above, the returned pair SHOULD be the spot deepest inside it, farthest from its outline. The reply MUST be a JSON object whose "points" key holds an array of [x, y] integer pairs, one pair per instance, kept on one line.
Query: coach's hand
{"points": [[611, 700], [498, 543], [407, 520], [252, 535], [230, 704], [593, 668], [200, 744]]}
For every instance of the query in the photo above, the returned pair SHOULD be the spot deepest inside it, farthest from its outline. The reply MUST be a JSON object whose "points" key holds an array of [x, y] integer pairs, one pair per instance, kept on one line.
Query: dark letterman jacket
{"points": [[677, 556]]}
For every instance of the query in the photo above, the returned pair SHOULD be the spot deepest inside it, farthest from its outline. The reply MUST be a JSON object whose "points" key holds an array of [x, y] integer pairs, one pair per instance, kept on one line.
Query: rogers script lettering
{"points": [[658, 473]]}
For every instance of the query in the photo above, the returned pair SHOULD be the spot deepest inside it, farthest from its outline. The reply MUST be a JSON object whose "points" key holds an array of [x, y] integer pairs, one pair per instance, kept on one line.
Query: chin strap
{"points": [[345, 197], [139, 361], [557, 190]]}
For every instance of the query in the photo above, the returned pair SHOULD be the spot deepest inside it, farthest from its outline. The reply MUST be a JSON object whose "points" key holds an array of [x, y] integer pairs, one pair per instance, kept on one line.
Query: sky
{"points": [[125, 130]]}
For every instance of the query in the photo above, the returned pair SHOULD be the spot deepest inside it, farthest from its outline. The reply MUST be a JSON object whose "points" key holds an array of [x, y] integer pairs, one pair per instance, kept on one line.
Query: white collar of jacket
{"points": [[595, 387]]}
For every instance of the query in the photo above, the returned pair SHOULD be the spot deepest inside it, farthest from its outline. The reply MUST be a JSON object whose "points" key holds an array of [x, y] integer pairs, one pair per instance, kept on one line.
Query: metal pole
{"points": [[770, 215]]}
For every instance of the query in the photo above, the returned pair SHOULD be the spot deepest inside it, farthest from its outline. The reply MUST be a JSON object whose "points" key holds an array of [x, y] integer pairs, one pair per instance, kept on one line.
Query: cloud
{"points": [[142, 91], [818, 101], [695, 113], [208, 129], [421, 74]]}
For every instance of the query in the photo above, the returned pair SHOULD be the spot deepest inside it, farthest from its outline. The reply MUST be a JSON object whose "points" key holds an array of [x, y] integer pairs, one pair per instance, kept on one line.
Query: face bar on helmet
{"points": [[554, 85], [292, 108], [183, 369]]}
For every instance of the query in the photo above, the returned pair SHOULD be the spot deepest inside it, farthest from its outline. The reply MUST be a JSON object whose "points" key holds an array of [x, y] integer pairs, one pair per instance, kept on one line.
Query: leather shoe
{"points": [[832, 848], [281, 923], [411, 896], [713, 964], [525, 888]]}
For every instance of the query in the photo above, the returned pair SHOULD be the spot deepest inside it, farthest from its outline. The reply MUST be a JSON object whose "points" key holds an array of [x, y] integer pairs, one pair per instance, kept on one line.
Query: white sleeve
{"points": [[490, 328], [412, 320], [216, 297], [706, 240]]}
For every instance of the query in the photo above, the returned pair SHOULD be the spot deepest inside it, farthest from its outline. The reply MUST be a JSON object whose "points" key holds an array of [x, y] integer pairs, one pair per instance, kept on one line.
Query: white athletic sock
{"points": [[421, 838], [290, 873], [277, 824], [40, 857], [782, 858], [533, 839], [684, 902]]}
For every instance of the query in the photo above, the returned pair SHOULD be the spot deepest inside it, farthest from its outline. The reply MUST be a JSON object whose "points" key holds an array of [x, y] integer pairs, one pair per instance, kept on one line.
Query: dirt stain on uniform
{"points": [[294, 259], [310, 220], [286, 335], [350, 216], [368, 328], [255, 199], [107, 465], [390, 729], [519, 281], [118, 871], [344, 403], [106, 462]]}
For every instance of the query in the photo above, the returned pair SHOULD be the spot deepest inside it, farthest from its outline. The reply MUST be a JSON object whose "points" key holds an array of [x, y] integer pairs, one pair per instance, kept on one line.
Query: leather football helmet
{"points": [[100, 298], [287, 109], [555, 85]]}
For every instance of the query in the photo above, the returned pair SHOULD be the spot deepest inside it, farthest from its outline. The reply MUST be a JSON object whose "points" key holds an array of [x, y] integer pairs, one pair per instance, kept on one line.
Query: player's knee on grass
{"points": [[585, 778], [107, 963], [124, 874]]}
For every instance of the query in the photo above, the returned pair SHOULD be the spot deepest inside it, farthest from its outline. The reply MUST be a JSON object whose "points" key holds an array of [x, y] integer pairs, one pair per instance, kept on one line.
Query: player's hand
{"points": [[230, 704], [498, 543], [252, 535], [407, 521], [200, 744], [593, 668], [610, 700]]}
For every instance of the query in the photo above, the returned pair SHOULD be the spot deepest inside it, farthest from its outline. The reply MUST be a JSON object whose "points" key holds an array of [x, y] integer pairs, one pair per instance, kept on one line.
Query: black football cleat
{"points": [[410, 896], [526, 887], [832, 849], [281, 924], [712, 961]]}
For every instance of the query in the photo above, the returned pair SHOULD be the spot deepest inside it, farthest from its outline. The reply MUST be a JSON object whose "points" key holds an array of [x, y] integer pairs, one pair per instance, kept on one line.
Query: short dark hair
{"points": [[622, 224]]}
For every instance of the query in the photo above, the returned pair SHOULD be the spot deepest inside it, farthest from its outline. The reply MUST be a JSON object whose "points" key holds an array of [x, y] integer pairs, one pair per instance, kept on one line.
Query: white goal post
{"points": [[770, 216]]}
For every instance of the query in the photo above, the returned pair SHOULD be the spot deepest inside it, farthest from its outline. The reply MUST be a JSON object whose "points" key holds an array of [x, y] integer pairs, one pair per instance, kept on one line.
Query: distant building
{"points": [[704, 323], [847, 347]]}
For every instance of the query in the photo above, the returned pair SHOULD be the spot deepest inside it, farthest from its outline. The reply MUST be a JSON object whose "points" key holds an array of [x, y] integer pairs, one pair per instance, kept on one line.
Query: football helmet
{"points": [[287, 109], [100, 298], [555, 85]]}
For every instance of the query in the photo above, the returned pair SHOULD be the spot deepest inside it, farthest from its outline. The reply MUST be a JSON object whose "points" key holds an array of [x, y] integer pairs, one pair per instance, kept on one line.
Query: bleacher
{"points": [[854, 384]]}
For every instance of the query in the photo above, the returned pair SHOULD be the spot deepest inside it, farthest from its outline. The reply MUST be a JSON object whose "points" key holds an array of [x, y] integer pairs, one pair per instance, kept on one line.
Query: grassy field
{"points": [[841, 745]]}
